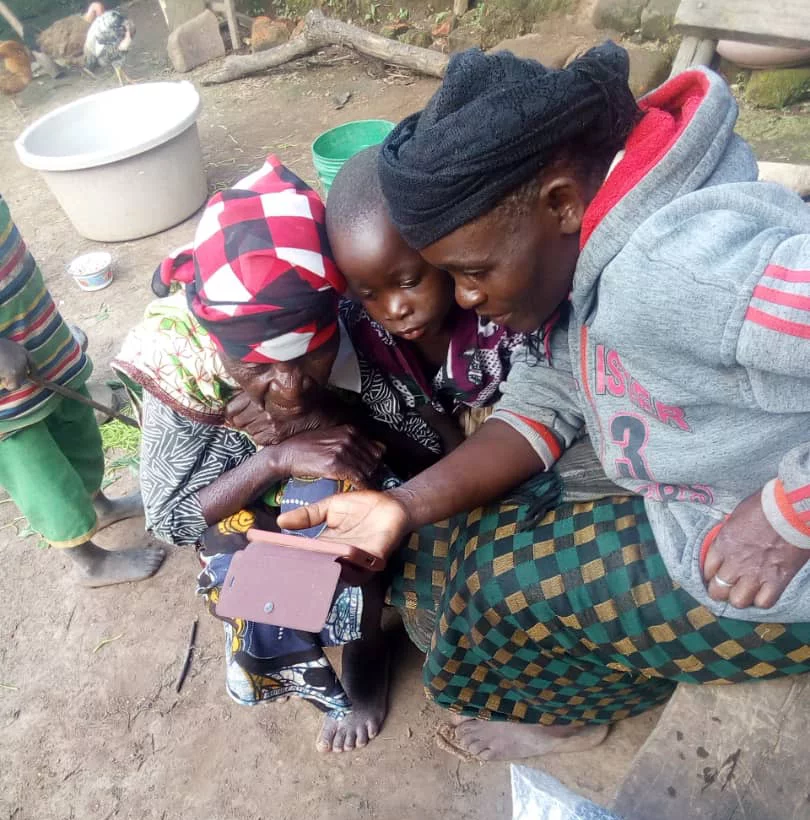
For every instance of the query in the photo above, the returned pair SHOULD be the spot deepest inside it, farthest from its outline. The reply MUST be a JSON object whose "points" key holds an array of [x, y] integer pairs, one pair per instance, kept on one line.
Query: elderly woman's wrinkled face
{"points": [[286, 388], [515, 265]]}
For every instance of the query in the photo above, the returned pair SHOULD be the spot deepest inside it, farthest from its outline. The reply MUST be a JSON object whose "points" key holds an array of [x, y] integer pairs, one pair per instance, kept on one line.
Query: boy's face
{"points": [[400, 290]]}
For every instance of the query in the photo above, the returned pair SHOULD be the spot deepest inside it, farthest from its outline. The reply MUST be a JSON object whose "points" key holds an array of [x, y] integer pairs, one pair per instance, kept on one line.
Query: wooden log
{"points": [[233, 26], [693, 51], [244, 66], [320, 31], [776, 23]]}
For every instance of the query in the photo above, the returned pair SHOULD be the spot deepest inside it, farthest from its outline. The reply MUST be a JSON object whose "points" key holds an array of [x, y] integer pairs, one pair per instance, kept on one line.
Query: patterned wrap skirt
{"points": [[572, 619]]}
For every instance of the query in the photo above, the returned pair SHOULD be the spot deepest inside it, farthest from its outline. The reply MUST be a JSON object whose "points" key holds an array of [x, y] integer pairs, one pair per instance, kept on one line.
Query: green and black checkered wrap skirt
{"points": [[572, 621]]}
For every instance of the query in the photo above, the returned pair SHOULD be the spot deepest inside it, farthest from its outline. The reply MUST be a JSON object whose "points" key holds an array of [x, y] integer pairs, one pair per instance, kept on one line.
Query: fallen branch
{"points": [[319, 32]]}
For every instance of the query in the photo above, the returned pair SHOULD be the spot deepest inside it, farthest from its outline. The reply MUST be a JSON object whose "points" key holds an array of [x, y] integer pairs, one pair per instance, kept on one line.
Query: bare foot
{"points": [[111, 510], [97, 567], [488, 740], [365, 679]]}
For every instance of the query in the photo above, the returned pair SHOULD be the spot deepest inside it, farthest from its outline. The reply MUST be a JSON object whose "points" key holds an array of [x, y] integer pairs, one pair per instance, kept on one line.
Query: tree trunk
{"points": [[320, 31]]}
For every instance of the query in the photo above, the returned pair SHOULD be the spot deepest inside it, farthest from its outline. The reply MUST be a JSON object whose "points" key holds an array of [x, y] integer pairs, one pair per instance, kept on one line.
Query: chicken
{"points": [[108, 41], [64, 40], [15, 67]]}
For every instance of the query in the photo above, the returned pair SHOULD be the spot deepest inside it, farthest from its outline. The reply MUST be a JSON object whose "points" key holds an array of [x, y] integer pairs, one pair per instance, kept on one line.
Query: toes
{"points": [[339, 741], [457, 720], [363, 735], [350, 739], [327, 737]]}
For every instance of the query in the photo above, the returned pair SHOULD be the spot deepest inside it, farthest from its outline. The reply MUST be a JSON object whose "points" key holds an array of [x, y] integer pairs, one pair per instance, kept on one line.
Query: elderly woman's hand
{"points": [[753, 560], [338, 452], [264, 429]]}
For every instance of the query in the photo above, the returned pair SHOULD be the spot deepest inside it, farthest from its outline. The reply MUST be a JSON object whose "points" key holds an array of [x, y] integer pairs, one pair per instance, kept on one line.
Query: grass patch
{"points": [[122, 446]]}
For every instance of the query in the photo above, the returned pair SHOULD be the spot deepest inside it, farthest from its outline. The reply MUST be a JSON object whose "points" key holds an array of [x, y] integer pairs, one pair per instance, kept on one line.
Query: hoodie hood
{"points": [[685, 142]]}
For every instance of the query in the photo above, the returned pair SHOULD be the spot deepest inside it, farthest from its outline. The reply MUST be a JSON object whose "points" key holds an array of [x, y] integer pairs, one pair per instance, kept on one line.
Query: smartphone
{"points": [[344, 552]]}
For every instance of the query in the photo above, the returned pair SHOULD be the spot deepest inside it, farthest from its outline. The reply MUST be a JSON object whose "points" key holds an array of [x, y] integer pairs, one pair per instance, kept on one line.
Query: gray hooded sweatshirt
{"points": [[687, 349]]}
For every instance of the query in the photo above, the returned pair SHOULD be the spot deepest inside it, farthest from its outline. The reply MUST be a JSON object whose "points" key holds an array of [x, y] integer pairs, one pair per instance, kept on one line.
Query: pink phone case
{"points": [[346, 552], [271, 584]]}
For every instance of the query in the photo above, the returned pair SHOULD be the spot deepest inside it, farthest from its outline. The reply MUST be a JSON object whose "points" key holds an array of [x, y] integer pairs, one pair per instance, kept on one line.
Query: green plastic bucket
{"points": [[332, 148]]}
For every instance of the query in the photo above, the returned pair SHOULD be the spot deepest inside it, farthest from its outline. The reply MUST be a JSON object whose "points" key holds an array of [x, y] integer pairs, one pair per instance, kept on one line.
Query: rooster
{"points": [[15, 67], [64, 40], [108, 41]]}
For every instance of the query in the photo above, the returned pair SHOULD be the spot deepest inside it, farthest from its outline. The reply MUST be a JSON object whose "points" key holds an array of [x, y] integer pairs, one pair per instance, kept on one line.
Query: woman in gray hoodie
{"points": [[668, 294]]}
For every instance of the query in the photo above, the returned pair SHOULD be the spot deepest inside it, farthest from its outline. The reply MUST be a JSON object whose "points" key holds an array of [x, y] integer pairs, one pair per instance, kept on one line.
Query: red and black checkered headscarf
{"points": [[260, 277]]}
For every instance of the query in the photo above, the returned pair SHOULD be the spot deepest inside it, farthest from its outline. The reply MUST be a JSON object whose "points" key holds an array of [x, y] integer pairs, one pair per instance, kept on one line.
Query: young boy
{"points": [[51, 458], [446, 359]]}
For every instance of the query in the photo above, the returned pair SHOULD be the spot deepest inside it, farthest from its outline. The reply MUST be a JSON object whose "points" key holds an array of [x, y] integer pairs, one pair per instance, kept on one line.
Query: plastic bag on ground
{"points": [[538, 796]]}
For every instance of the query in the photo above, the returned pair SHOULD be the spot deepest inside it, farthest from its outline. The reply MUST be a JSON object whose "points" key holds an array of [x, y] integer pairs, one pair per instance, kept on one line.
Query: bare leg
{"points": [[110, 510], [365, 679], [488, 740], [97, 567]]}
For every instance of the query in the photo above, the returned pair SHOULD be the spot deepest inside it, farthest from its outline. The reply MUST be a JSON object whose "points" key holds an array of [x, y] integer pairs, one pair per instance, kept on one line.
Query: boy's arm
{"points": [[14, 364]]}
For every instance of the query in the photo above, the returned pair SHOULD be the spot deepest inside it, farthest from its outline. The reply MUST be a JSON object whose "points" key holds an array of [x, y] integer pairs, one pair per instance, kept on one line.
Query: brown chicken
{"points": [[15, 67], [64, 40]]}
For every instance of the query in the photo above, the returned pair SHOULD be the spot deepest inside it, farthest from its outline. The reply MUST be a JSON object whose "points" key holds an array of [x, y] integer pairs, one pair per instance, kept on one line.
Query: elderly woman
{"points": [[683, 286], [258, 313]]}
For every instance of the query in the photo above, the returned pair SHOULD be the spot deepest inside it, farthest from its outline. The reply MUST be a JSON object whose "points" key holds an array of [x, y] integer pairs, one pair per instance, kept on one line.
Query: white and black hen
{"points": [[108, 41]]}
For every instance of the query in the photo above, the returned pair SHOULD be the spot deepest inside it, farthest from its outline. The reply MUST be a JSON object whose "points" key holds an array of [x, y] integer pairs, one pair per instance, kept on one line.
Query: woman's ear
{"points": [[561, 195]]}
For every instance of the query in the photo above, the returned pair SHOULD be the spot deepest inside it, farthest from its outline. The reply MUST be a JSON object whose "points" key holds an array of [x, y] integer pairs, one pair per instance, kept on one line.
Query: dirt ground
{"points": [[90, 729]]}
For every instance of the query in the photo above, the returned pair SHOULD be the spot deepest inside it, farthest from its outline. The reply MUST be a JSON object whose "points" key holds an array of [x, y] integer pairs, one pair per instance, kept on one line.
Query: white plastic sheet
{"points": [[538, 796]]}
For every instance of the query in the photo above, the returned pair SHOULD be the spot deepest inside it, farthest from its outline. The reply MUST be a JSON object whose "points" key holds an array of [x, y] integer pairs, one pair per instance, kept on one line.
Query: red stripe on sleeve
{"points": [[779, 297], [799, 494], [774, 323], [786, 508], [548, 437], [786, 274]]}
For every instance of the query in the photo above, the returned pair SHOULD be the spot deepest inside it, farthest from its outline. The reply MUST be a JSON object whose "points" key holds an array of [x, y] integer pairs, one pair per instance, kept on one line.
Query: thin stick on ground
{"points": [[181, 679]]}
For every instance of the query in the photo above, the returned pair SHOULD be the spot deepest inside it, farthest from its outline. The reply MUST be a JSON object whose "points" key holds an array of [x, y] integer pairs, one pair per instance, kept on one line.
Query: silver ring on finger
{"points": [[722, 582]]}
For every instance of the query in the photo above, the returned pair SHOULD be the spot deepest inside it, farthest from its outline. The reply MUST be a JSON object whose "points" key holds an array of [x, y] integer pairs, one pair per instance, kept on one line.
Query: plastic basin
{"points": [[332, 148], [124, 163]]}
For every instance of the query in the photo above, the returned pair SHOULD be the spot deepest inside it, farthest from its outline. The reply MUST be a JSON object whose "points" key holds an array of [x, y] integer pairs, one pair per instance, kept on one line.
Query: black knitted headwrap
{"points": [[493, 124]]}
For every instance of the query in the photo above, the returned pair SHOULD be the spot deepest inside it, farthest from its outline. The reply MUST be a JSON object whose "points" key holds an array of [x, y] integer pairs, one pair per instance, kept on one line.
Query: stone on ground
{"points": [[555, 47], [648, 69], [394, 31], [657, 18], [196, 42], [778, 87], [417, 37], [622, 15], [181, 11], [266, 33], [464, 37]]}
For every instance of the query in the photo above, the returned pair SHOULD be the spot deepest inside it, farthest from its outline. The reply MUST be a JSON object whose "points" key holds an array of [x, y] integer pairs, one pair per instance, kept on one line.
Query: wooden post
{"points": [[693, 51], [233, 25]]}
